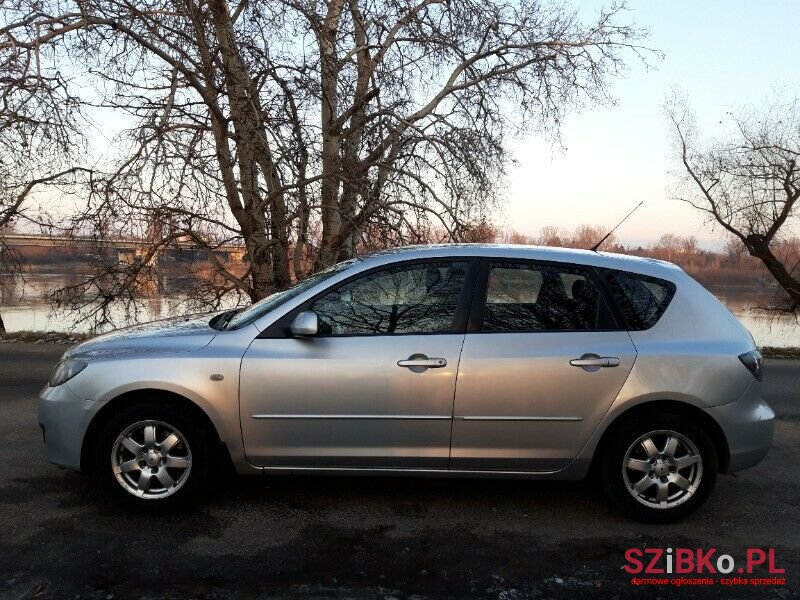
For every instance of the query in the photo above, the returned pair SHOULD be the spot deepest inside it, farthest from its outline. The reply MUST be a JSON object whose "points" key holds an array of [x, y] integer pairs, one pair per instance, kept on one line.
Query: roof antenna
{"points": [[606, 236]]}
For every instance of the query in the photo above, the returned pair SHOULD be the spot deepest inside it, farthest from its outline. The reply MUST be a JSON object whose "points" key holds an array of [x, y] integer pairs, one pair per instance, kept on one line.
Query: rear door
{"points": [[543, 359]]}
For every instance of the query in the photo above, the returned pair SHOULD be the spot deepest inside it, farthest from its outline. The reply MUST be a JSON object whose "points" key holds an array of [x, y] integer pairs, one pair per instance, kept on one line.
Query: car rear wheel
{"points": [[153, 455], [659, 468]]}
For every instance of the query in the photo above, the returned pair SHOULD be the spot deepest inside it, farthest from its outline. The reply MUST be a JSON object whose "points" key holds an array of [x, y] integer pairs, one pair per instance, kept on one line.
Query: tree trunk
{"points": [[2, 325], [759, 248], [329, 108], [269, 256]]}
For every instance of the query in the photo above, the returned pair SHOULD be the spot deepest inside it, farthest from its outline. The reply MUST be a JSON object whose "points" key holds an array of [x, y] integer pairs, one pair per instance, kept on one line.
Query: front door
{"points": [[374, 389], [541, 369]]}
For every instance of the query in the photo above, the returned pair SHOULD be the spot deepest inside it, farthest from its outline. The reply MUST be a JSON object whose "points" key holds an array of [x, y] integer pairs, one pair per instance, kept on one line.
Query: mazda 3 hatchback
{"points": [[455, 360]]}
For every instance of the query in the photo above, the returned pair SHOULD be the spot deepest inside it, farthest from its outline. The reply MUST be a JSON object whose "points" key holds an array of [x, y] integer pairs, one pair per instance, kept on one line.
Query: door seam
{"points": [[453, 406]]}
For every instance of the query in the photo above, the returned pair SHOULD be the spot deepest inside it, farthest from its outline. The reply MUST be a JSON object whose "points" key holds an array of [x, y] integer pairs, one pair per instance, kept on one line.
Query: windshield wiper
{"points": [[225, 318]]}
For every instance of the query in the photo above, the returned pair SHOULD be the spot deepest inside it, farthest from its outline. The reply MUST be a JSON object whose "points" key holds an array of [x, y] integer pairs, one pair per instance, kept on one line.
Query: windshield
{"points": [[259, 309]]}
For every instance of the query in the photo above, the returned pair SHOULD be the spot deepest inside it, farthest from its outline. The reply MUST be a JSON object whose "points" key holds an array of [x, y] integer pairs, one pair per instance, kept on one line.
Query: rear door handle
{"points": [[420, 362], [595, 361], [428, 363]]}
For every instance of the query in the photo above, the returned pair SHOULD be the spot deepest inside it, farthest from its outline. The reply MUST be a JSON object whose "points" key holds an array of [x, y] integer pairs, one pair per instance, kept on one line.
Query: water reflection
{"points": [[768, 329], [23, 307]]}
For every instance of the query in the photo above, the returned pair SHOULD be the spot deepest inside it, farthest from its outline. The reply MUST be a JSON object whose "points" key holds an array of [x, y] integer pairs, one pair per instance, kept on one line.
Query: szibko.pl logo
{"points": [[655, 562]]}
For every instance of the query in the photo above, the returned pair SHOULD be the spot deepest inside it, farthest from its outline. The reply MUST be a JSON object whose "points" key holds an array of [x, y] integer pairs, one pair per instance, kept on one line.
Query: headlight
{"points": [[65, 370]]}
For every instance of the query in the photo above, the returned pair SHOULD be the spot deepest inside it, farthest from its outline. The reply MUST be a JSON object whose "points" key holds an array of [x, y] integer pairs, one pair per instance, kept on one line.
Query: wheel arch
{"points": [[110, 407], [706, 421]]}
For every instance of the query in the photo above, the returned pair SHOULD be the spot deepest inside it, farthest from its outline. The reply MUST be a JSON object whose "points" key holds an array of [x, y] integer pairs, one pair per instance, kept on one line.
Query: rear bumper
{"points": [[64, 419], [748, 425]]}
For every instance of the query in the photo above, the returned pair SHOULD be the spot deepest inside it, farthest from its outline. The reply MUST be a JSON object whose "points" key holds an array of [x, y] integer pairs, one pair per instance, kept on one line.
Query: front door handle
{"points": [[420, 362], [594, 362]]}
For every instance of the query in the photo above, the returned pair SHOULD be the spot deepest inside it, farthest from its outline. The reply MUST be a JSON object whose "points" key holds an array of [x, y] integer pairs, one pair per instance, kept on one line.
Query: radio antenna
{"points": [[606, 236]]}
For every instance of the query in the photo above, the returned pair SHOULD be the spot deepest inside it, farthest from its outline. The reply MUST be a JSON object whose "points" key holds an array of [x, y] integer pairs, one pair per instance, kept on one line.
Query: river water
{"points": [[23, 308]]}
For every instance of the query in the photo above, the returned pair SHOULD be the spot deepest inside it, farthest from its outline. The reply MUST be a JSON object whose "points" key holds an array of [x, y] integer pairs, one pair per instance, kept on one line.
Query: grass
{"points": [[43, 337], [772, 352]]}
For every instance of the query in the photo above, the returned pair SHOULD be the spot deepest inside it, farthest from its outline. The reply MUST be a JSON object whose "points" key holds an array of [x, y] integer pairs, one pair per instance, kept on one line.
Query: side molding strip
{"points": [[414, 417], [487, 418], [361, 417]]}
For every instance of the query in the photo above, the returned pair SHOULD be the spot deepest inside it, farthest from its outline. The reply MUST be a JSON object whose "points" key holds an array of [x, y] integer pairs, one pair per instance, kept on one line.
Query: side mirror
{"points": [[305, 324]]}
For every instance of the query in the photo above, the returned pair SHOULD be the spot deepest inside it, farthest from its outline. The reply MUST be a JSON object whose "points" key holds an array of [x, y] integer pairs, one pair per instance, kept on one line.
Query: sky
{"points": [[721, 55]]}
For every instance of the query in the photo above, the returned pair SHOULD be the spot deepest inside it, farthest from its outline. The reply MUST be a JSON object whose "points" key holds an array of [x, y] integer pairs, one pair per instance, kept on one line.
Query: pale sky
{"points": [[721, 55]]}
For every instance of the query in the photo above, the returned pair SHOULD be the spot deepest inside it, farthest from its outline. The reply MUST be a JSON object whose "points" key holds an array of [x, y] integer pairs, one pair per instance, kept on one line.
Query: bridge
{"points": [[126, 249]]}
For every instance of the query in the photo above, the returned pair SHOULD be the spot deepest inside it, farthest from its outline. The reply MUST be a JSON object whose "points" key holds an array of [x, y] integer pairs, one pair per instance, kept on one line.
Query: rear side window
{"points": [[523, 297], [641, 299]]}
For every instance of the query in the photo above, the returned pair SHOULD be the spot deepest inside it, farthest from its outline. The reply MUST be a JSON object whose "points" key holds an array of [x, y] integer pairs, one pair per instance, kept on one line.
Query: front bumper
{"points": [[64, 419], [748, 425]]}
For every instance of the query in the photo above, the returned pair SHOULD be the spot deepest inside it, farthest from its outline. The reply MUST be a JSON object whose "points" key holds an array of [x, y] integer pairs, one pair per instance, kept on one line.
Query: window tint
{"points": [[419, 298], [263, 306], [521, 297], [641, 299]]}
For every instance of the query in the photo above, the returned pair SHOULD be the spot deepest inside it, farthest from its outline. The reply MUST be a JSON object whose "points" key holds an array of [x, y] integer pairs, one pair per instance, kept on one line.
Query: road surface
{"points": [[365, 538]]}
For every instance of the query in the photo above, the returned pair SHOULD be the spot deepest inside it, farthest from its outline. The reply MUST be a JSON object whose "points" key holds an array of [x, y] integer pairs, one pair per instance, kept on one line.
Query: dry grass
{"points": [[43, 337], [772, 352]]}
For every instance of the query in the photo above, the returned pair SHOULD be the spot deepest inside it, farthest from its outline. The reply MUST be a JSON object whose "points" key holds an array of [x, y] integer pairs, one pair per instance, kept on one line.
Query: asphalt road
{"points": [[369, 537]]}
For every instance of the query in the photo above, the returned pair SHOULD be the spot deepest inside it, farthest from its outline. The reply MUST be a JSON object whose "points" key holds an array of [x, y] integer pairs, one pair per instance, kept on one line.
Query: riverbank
{"points": [[772, 352], [42, 337], [56, 337]]}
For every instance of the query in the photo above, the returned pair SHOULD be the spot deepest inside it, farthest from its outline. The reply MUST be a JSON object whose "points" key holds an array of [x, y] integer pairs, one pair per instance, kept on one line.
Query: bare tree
{"points": [[586, 236], [749, 184], [583, 236], [512, 236], [550, 235], [40, 138], [733, 248], [302, 128], [668, 246]]}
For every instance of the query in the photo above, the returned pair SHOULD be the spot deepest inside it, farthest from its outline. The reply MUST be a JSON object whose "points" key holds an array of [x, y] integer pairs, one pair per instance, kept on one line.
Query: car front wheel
{"points": [[659, 468], [153, 455]]}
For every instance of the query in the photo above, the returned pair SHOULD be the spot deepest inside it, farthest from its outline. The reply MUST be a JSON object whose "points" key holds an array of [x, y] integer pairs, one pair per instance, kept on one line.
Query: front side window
{"points": [[406, 299], [529, 297], [641, 299], [262, 307]]}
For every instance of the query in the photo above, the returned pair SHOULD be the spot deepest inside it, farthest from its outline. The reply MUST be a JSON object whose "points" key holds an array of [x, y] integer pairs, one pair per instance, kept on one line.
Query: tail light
{"points": [[754, 363]]}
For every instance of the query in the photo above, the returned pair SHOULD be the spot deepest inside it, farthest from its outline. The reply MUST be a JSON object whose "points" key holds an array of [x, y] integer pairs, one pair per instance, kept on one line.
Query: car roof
{"points": [[636, 264]]}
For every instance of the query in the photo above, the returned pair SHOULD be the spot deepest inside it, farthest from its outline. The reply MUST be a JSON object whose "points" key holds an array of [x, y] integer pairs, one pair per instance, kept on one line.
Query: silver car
{"points": [[454, 360]]}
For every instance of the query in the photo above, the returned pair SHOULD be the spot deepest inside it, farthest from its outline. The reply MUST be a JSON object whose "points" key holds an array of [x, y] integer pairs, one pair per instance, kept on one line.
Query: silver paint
{"points": [[493, 404]]}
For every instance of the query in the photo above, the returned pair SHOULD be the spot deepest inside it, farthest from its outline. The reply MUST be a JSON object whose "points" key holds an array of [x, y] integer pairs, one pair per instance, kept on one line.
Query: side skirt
{"points": [[576, 471]]}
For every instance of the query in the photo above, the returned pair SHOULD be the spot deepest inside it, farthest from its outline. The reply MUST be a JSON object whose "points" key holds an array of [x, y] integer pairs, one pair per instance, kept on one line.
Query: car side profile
{"points": [[451, 360]]}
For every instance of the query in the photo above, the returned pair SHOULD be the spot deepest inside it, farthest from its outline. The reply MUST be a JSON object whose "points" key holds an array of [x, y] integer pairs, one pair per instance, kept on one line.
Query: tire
{"points": [[668, 449], [159, 441]]}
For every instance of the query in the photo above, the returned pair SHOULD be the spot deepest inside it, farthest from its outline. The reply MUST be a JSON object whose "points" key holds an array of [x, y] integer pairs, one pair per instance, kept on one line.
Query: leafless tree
{"points": [[733, 248], [302, 128], [40, 139], [586, 236], [550, 235], [749, 184], [512, 236]]}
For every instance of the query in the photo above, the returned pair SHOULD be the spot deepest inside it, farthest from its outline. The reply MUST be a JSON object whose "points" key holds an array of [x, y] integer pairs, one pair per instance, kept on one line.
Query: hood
{"points": [[181, 334]]}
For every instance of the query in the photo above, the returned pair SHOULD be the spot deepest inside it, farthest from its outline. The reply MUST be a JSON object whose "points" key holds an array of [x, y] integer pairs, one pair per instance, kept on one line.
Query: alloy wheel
{"points": [[662, 469], [151, 459]]}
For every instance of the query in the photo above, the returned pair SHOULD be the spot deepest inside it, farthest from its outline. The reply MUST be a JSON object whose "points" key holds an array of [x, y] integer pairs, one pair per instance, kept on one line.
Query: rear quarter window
{"points": [[641, 299]]}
